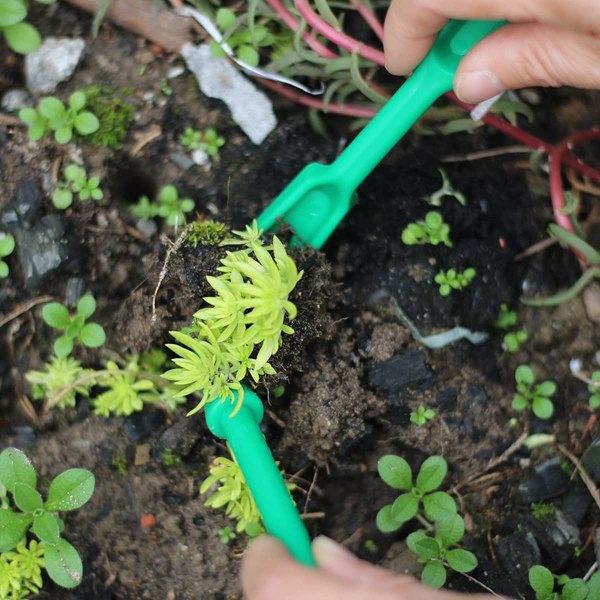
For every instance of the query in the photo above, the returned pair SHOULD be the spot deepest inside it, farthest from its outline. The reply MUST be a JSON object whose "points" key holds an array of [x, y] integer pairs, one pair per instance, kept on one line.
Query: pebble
{"points": [[52, 63], [183, 161], [548, 480], [175, 71], [404, 370], [23, 209], [218, 78], [199, 157], [139, 425], [517, 553], [74, 290], [16, 99], [146, 228]]}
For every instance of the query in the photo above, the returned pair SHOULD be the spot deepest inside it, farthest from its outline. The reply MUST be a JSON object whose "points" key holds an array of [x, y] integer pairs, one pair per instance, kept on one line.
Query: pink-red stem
{"points": [[369, 18]]}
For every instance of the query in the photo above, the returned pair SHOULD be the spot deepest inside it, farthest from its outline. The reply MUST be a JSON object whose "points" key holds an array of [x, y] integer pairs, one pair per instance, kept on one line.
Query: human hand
{"points": [[547, 43], [270, 573]]}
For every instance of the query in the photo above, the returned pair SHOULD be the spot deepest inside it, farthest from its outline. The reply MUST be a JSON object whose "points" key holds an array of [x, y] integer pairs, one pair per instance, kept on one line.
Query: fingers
{"points": [[524, 55]]}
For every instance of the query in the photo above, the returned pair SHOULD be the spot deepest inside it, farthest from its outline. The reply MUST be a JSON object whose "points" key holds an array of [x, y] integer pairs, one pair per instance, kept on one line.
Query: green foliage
{"points": [[207, 232], [594, 389], [21, 570], [7, 246], [208, 141], [431, 230], [75, 328], [241, 329], [233, 495], [531, 395], [21, 37], [543, 511], [447, 190], [226, 534], [53, 115], [512, 341], [241, 40], [170, 207], [544, 584], [506, 318], [422, 415], [454, 280], [76, 182], [115, 116], [24, 510]]}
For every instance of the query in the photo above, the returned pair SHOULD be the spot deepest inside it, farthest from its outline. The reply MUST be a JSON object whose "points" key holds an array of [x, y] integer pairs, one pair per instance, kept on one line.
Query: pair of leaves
{"points": [[542, 581], [7, 245]]}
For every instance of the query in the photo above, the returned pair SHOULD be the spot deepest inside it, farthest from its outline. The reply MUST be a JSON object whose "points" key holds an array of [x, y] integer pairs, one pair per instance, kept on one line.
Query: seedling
{"points": [[512, 341], [431, 230], [226, 535], [531, 395], [594, 389], [75, 328], [76, 182], [454, 280], [422, 415], [21, 570], [543, 583], [53, 115], [420, 500], [21, 37], [506, 318], [24, 510], [208, 140], [447, 190], [7, 246], [169, 206]]}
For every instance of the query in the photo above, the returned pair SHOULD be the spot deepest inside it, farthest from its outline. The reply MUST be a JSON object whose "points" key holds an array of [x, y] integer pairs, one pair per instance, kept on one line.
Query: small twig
{"points": [[589, 484], [10, 120], [145, 138], [535, 248], [23, 308], [481, 154], [28, 410], [313, 515], [481, 584], [275, 418], [591, 571], [313, 483]]}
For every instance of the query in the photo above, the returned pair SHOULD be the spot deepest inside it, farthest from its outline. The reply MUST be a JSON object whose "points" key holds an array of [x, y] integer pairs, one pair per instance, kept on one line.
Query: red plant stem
{"points": [[309, 38], [337, 37], [369, 18]]}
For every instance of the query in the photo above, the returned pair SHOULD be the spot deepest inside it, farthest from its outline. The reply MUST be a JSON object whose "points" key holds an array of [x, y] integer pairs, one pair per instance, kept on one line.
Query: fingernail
{"points": [[476, 86], [327, 552]]}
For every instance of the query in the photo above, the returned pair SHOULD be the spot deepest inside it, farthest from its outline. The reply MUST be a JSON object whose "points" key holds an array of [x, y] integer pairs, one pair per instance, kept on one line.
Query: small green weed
{"points": [[7, 246], [21, 37], [422, 415], [76, 182], [170, 207], [169, 459], [531, 395], [543, 583], [208, 141], [454, 280], [75, 328], [506, 318], [226, 534], [594, 389], [24, 510], [512, 341], [53, 115], [431, 230], [208, 232]]}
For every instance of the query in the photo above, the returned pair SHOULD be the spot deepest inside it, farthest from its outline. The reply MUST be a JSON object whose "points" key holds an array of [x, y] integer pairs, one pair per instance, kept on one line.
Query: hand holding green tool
{"points": [[313, 204]]}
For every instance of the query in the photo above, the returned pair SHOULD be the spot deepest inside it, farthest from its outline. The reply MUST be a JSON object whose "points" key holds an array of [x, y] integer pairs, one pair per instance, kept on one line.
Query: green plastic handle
{"points": [[262, 475], [317, 200]]}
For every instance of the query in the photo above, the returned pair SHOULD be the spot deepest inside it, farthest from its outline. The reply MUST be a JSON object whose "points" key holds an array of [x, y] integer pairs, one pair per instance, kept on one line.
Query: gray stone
{"points": [[517, 553], [200, 157], [183, 161], [16, 99], [74, 290], [146, 228], [53, 62], [218, 78], [548, 480], [24, 207], [404, 370]]}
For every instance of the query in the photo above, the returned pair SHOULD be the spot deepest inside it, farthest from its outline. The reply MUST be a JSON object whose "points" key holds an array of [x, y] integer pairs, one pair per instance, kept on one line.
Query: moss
{"points": [[543, 511], [115, 115], [209, 233]]}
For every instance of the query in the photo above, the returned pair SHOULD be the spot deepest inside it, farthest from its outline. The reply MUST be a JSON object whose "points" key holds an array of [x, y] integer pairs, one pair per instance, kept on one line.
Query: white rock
{"points": [[53, 62], [200, 157], [218, 78], [13, 100]]}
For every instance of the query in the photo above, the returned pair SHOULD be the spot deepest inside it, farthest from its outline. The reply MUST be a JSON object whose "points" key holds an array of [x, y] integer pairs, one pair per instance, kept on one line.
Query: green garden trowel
{"points": [[313, 204]]}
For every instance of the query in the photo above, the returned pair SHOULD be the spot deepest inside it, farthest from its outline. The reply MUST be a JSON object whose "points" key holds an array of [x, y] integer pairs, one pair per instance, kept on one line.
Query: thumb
{"points": [[528, 54]]}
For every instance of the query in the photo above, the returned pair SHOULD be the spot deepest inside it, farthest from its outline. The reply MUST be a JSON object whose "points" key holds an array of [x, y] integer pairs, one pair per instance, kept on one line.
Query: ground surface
{"points": [[350, 391]]}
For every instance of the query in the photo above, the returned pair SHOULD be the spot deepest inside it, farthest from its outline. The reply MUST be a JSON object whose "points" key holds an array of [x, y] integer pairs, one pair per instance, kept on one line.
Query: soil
{"points": [[352, 373]]}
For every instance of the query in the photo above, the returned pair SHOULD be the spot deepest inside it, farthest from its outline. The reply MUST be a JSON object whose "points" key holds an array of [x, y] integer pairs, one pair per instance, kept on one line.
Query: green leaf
{"points": [[37, 131], [575, 589], [62, 199], [384, 520], [22, 38], [168, 194], [28, 115], [422, 545], [46, 528], [63, 346], [451, 529], [542, 407], [70, 490], [64, 134], [12, 528], [63, 564], [7, 244], [461, 560], [594, 586], [86, 123], [432, 473], [3, 270], [439, 506], [225, 18], [51, 107], [15, 468], [434, 574], [519, 402], [27, 498], [395, 471], [12, 12], [404, 508], [92, 335], [248, 55], [546, 388], [541, 581], [77, 100], [56, 315], [525, 375], [86, 306]]}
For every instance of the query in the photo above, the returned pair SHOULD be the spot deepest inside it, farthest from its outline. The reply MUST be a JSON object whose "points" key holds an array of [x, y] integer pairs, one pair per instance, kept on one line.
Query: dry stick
{"points": [[535, 248], [313, 483], [589, 484], [23, 308], [486, 154], [480, 583], [148, 19]]}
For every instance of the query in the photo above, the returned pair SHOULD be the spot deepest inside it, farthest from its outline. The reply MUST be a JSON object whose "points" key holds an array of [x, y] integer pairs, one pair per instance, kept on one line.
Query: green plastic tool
{"points": [[319, 197], [314, 203]]}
